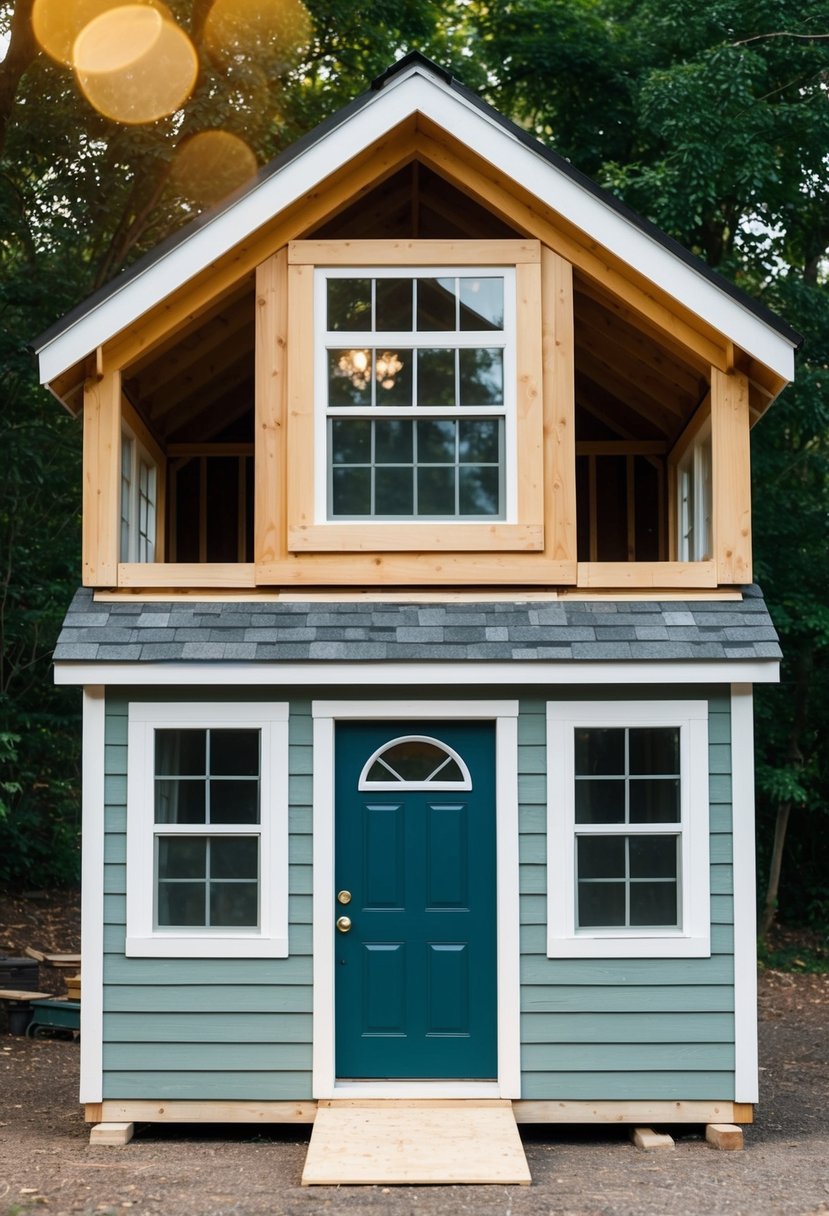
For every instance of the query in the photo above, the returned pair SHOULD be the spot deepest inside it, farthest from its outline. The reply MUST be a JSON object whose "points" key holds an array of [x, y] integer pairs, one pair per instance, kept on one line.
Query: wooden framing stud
{"points": [[112, 1135], [725, 1136], [649, 1140]]}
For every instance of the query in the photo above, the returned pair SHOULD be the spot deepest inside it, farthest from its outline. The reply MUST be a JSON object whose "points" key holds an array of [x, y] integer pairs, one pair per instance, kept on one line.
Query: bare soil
{"points": [[48, 1166]]}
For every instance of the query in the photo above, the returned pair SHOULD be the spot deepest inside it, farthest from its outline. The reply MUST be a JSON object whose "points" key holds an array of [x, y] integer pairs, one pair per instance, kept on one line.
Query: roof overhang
{"points": [[402, 674], [420, 90]]}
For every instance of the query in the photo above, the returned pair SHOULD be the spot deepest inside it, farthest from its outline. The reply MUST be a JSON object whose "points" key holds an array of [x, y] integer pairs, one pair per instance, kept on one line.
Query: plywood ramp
{"points": [[397, 1142]]}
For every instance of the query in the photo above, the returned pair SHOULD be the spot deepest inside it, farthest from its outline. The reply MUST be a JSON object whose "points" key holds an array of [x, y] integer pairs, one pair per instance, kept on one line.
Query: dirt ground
{"points": [[48, 1166]]}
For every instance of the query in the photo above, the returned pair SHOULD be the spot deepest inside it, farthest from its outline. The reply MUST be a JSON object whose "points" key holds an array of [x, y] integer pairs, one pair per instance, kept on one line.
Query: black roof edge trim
{"points": [[420, 60], [284, 158]]}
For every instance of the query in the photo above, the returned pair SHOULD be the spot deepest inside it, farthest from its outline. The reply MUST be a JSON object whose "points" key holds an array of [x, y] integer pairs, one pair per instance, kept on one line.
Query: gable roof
{"points": [[416, 86]]}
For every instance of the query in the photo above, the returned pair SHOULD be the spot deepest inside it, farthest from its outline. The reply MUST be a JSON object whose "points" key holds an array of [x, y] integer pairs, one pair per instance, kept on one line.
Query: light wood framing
{"points": [[525, 1111], [411, 253], [101, 479], [647, 574], [185, 574], [731, 476], [270, 407], [559, 405]]}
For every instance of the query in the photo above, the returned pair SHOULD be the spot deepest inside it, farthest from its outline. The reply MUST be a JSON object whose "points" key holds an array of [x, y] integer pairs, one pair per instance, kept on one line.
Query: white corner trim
{"points": [[505, 715], [271, 939], [92, 896], [417, 92], [693, 939], [412, 674], [746, 1086]]}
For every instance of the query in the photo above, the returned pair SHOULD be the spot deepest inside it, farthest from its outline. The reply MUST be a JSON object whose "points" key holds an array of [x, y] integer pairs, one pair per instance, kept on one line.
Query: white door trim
{"points": [[505, 716]]}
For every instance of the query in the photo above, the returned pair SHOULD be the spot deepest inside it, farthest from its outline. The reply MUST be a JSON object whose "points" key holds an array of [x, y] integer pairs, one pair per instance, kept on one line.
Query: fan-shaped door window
{"points": [[415, 762]]}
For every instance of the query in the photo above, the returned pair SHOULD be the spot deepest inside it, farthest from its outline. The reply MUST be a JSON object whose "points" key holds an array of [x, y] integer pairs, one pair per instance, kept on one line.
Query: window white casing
{"points": [[693, 938], [270, 939]]}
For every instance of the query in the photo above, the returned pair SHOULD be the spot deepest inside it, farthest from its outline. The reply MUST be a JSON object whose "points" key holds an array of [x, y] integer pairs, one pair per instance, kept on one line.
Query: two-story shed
{"points": [[417, 639]]}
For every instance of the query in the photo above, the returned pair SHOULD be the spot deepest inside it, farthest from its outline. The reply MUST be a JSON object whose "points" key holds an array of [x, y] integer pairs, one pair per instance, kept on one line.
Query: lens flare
{"points": [[57, 23], [134, 65], [272, 31], [211, 165]]}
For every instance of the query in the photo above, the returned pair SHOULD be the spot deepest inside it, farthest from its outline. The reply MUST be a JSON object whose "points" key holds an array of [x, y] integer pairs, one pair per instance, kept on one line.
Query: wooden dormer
{"points": [[303, 391]]}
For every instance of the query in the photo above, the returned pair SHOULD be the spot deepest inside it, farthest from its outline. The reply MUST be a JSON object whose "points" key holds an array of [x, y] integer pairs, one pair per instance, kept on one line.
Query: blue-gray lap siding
{"points": [[590, 1029]]}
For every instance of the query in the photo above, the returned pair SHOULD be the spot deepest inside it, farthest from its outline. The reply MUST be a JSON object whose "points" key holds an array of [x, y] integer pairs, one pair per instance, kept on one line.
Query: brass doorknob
{"points": [[343, 897], [343, 923]]}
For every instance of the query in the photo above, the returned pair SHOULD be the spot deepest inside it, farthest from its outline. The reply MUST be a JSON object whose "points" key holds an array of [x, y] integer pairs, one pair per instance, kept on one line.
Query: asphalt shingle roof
{"points": [[133, 631]]}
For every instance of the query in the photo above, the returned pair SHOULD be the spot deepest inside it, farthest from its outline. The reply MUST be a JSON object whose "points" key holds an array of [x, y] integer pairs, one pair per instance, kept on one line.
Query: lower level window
{"points": [[628, 828], [207, 830]]}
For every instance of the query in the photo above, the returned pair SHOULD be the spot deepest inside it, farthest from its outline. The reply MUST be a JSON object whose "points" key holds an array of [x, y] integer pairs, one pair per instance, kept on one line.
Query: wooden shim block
{"points": [[725, 1136], [113, 1135], [648, 1140]]}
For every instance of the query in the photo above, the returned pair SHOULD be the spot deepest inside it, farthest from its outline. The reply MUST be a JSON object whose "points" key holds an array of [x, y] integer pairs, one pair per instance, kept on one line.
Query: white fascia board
{"points": [[460, 674], [401, 97]]}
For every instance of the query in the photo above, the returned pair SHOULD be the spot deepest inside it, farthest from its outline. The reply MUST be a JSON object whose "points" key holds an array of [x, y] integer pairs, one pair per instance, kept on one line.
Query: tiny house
{"points": [[417, 638]]}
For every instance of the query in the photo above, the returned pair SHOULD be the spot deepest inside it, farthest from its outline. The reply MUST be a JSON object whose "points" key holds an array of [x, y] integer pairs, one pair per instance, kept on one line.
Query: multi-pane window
{"points": [[416, 373], [138, 501], [627, 830], [207, 784], [417, 762], [207, 838], [627, 812], [695, 505]]}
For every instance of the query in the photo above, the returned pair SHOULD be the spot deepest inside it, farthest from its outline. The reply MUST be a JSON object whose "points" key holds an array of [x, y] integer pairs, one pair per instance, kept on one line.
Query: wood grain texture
{"points": [[101, 480], [731, 460], [271, 388]]}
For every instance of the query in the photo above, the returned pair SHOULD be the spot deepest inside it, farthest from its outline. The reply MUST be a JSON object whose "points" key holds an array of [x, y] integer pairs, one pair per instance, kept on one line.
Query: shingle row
{"points": [[132, 631]]}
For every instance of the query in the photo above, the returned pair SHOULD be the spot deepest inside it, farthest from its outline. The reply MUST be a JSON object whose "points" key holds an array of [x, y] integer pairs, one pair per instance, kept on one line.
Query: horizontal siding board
{"points": [[300, 789], [719, 787], [219, 972], [532, 759], [115, 848], [722, 909], [532, 727], [722, 880], [207, 1057], [532, 789], [633, 1087], [115, 880], [115, 759], [627, 1028], [630, 1057], [208, 1086], [196, 998], [207, 1028], [533, 880], [534, 939], [719, 969], [598, 998], [115, 801], [720, 848]]}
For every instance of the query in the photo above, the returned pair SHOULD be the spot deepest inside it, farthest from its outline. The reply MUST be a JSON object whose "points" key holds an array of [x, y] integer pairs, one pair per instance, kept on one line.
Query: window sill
{"points": [[613, 946], [367, 536], [213, 946]]}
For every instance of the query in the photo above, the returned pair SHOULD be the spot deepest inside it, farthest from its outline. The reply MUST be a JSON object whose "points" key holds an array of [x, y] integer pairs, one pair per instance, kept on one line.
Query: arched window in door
{"points": [[415, 762]]}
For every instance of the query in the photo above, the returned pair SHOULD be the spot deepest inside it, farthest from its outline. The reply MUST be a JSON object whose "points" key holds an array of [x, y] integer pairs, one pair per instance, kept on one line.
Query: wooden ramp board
{"points": [[397, 1142]]}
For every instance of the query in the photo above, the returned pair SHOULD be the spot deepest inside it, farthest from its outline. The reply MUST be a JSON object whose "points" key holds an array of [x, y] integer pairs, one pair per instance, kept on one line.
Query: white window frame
{"points": [[142, 545], [693, 938], [505, 338], [366, 783], [695, 482], [270, 939]]}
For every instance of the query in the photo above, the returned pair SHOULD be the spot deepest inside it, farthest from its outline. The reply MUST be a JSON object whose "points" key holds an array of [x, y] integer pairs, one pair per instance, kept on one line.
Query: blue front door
{"points": [[415, 973]]}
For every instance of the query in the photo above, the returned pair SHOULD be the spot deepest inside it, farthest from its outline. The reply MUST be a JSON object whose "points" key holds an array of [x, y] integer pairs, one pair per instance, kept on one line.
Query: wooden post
{"points": [[731, 461], [559, 406], [269, 529], [101, 479]]}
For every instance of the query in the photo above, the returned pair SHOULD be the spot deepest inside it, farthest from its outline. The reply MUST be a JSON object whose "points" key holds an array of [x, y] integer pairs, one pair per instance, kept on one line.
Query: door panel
{"points": [[415, 976]]}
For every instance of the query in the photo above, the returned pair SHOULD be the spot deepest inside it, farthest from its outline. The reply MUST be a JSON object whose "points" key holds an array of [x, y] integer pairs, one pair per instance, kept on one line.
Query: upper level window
{"points": [[138, 501], [415, 371], [695, 501]]}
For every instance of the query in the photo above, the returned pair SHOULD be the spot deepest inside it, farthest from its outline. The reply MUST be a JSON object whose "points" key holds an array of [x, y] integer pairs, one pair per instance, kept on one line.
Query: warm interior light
{"points": [[272, 31], [134, 65], [387, 368], [212, 164], [57, 23]]}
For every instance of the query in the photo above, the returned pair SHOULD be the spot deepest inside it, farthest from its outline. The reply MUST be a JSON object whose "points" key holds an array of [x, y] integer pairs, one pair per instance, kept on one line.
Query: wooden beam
{"points": [[730, 447], [271, 462], [409, 252], [559, 406], [101, 480], [647, 574], [185, 574], [184, 1111]]}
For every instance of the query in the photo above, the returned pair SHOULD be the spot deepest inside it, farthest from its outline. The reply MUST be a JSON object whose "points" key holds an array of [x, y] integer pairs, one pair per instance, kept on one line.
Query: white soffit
{"points": [[418, 91]]}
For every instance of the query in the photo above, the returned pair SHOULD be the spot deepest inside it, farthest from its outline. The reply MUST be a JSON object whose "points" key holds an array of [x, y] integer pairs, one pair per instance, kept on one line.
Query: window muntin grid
{"points": [[417, 368], [628, 827]]}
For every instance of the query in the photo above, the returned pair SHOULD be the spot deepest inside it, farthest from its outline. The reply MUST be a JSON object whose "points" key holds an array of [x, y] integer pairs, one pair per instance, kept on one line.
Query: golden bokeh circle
{"points": [[211, 165], [57, 23], [134, 65]]}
